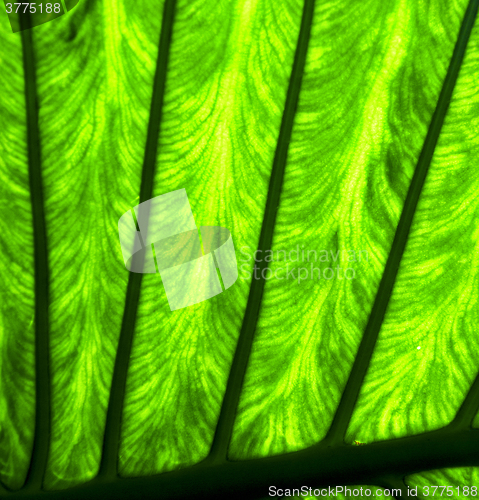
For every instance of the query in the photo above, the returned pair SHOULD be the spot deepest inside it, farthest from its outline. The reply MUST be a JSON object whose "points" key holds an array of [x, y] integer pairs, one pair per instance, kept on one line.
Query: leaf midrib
{"points": [[318, 468]]}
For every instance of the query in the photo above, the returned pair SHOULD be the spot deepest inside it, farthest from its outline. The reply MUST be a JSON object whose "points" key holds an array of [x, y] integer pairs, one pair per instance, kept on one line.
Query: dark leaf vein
{"points": [[345, 408], [41, 437], [111, 442], [226, 419]]}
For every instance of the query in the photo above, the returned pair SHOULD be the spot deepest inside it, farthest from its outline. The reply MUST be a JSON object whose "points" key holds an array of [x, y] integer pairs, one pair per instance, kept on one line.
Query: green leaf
{"points": [[345, 133]]}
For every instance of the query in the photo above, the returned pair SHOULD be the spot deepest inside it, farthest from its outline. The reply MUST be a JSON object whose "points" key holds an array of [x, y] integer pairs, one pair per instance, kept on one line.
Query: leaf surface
{"points": [[299, 126]]}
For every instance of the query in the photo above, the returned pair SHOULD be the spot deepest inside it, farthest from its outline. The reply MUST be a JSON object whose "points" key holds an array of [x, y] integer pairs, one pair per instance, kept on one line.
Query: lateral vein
{"points": [[111, 441], [41, 438], [349, 397], [224, 428]]}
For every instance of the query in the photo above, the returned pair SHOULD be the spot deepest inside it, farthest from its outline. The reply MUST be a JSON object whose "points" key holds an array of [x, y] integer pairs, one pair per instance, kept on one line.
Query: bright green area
{"points": [[371, 84], [372, 78], [17, 387], [426, 357]]}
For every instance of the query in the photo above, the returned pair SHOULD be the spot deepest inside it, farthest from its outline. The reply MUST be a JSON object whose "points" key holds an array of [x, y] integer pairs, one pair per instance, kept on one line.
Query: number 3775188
{"points": [[32, 7], [26, 15]]}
